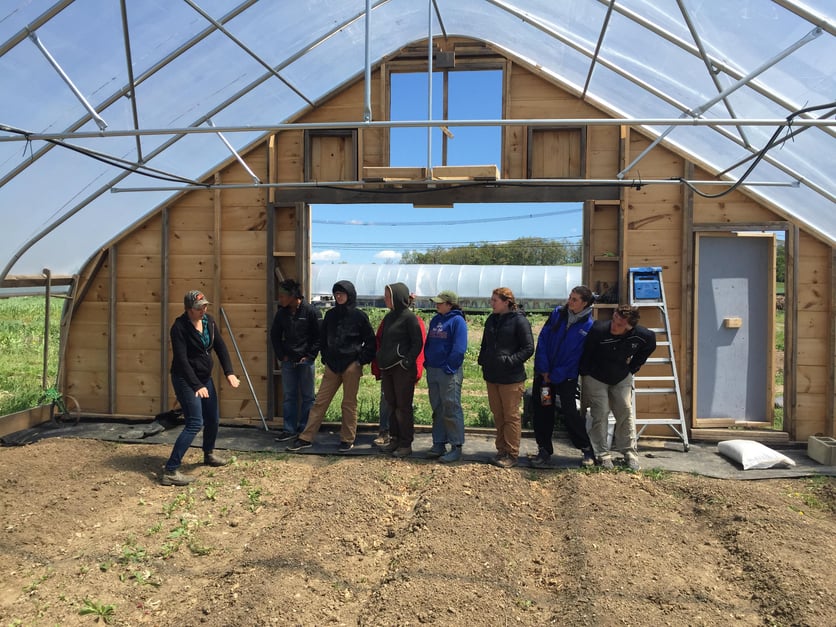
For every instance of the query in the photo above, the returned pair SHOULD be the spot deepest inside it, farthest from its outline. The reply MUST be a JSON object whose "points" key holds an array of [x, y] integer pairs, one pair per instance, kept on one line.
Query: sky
{"points": [[381, 233]]}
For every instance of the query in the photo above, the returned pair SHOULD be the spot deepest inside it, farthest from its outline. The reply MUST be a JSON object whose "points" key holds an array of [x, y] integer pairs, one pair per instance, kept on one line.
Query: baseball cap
{"points": [[195, 300], [446, 296]]}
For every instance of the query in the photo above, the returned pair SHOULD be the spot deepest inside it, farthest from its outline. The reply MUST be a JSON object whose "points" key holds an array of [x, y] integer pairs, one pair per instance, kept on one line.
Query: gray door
{"points": [[734, 325]]}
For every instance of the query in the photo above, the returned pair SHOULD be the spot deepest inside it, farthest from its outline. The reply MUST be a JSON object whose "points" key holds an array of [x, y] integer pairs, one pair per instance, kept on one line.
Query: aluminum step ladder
{"points": [[647, 292]]}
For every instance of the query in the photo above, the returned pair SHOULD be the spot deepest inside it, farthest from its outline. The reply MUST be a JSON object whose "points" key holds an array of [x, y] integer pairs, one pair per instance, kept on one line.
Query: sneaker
{"points": [[345, 447], [299, 444], [588, 457], [382, 439], [606, 463], [437, 450], [633, 462], [284, 436], [403, 451], [505, 461], [213, 459], [453, 455], [175, 477]]}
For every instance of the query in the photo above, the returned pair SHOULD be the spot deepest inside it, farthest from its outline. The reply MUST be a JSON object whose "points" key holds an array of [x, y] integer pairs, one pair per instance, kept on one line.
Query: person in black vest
{"points": [[194, 335], [614, 351]]}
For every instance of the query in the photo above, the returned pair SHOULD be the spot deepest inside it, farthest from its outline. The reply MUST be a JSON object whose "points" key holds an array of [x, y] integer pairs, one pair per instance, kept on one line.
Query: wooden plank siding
{"points": [[218, 241]]}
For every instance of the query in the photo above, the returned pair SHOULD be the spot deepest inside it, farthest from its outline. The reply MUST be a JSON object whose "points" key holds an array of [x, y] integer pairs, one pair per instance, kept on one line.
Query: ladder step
{"points": [[663, 378], [655, 390], [657, 421], [658, 360]]}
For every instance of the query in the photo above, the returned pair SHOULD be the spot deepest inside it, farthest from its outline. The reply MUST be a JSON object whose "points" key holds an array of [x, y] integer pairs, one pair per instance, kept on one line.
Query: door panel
{"points": [[734, 329]]}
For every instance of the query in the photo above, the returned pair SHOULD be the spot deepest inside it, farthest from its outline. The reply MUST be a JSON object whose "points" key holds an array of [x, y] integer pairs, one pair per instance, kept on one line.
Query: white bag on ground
{"points": [[752, 455]]}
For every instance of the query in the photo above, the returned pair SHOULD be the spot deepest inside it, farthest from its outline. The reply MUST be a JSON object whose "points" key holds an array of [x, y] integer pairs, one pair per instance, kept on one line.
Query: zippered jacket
{"points": [[296, 334], [559, 347], [507, 343], [190, 359], [346, 335], [402, 340], [610, 358]]}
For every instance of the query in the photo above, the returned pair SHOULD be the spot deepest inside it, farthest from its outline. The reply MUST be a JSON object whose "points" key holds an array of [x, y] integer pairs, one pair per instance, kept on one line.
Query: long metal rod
{"points": [[238, 157], [252, 54], [367, 91], [497, 183], [597, 48], [65, 77], [130, 65], [290, 126], [686, 15], [244, 368], [697, 111], [429, 87]]}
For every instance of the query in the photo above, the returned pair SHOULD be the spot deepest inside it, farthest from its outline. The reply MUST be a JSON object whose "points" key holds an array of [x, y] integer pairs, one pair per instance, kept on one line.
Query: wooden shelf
{"points": [[283, 253], [606, 258]]}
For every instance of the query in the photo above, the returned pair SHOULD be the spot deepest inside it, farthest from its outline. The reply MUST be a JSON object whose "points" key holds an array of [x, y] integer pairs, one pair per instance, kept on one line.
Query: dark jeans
{"points": [[298, 392], [200, 413], [544, 416]]}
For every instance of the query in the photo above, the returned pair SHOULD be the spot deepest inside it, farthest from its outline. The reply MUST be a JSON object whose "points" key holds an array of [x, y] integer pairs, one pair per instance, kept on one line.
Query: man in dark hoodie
{"points": [[294, 335], [346, 343], [400, 345]]}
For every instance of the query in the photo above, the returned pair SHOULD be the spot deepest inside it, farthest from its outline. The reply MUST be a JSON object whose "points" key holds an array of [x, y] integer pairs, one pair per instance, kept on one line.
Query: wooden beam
{"points": [[475, 193], [20, 280]]}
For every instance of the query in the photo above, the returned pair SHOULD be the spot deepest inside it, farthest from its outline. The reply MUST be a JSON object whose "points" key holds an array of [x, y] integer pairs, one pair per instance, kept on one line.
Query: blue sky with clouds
{"points": [[381, 233]]}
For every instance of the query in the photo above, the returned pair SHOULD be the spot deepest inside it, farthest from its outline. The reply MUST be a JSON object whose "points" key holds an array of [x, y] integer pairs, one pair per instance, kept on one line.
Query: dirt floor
{"points": [[277, 539]]}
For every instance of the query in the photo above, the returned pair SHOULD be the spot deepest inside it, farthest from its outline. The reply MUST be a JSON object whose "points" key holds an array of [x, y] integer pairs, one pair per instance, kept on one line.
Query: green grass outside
{"points": [[21, 350]]}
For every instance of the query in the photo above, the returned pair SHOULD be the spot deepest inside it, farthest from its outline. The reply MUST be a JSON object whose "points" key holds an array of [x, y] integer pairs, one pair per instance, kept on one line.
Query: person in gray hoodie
{"points": [[400, 345]]}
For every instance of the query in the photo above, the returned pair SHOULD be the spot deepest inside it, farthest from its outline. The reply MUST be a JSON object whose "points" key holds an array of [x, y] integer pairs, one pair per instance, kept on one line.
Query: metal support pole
{"points": [[47, 303], [244, 368]]}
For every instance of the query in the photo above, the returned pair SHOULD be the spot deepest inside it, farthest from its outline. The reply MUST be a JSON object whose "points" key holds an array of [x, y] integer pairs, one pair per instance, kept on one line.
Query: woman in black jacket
{"points": [[507, 343], [194, 335]]}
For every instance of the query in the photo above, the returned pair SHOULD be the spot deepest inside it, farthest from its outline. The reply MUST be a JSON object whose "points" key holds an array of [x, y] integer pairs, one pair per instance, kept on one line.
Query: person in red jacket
{"points": [[384, 411]]}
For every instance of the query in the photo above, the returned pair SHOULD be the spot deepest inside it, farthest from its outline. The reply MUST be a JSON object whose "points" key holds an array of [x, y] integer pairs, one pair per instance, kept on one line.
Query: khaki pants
{"points": [[331, 382], [504, 400], [618, 398]]}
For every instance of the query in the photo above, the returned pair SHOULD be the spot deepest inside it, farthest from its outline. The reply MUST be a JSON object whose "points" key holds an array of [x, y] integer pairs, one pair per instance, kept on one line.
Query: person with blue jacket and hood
{"points": [[556, 361], [346, 344], [443, 357], [401, 342]]}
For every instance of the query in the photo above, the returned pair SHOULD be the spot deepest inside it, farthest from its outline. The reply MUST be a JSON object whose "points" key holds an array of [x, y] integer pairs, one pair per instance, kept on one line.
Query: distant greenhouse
{"points": [[536, 287]]}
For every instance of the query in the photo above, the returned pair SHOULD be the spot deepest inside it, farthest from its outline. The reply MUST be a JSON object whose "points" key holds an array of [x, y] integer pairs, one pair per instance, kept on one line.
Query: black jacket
{"points": [[190, 360], [346, 335], [507, 343], [295, 334], [609, 358]]}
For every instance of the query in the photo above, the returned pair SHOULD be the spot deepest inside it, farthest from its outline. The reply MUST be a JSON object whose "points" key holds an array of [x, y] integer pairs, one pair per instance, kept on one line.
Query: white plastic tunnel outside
{"points": [[533, 286]]}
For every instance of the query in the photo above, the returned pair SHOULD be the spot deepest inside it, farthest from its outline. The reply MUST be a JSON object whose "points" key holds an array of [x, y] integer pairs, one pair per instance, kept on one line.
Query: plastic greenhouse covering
{"points": [[154, 73]]}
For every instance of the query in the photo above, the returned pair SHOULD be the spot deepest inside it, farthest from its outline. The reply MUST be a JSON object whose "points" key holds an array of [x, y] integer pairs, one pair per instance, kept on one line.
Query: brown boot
{"points": [[175, 477], [391, 447], [213, 459]]}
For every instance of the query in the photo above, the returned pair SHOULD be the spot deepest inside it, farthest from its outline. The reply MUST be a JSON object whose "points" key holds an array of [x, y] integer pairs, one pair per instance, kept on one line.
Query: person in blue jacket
{"points": [[556, 360], [443, 357]]}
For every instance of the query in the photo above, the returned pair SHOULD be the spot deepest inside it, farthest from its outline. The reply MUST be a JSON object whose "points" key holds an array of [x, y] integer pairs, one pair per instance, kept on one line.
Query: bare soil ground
{"points": [[306, 540]]}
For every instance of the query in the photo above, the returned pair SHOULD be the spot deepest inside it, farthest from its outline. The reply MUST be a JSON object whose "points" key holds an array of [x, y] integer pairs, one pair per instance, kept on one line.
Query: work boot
{"points": [[632, 462], [438, 449], [606, 463], [213, 459], [453, 455], [402, 451], [382, 439], [391, 447], [588, 457], [175, 477]]}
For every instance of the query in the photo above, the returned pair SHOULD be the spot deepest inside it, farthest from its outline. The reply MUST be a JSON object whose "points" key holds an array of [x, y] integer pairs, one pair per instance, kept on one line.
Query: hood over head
{"points": [[400, 295], [348, 288]]}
